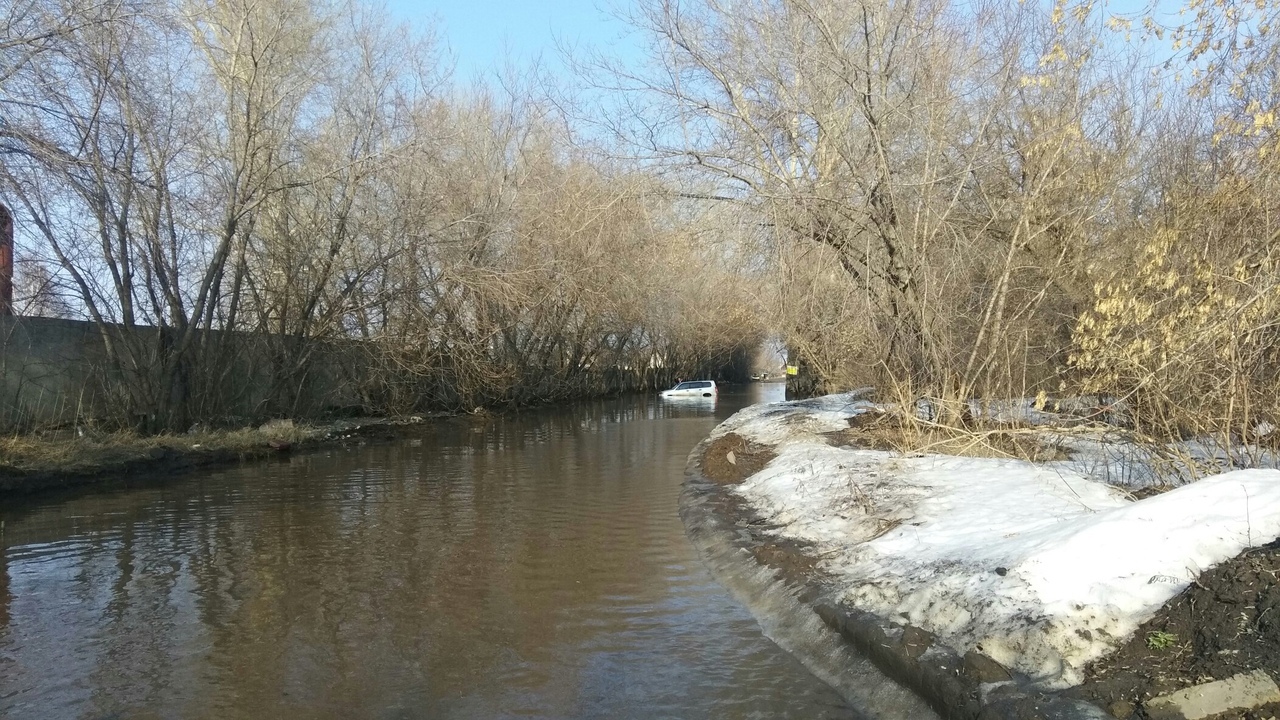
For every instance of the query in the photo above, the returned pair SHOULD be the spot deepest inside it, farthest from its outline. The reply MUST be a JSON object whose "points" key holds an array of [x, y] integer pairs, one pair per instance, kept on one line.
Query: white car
{"points": [[691, 388]]}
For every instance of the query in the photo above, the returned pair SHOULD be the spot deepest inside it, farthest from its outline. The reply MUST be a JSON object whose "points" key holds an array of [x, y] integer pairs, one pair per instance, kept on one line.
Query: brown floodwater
{"points": [[529, 565]]}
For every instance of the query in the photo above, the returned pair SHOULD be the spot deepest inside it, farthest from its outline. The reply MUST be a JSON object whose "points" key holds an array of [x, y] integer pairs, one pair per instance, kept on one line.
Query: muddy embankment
{"points": [[885, 670], [36, 464]]}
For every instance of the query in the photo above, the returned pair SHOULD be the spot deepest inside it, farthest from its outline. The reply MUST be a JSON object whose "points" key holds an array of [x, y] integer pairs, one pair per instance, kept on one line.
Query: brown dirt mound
{"points": [[1226, 623], [731, 458]]}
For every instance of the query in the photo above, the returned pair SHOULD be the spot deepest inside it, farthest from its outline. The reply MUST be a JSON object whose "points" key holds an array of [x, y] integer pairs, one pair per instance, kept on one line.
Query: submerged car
{"points": [[692, 388]]}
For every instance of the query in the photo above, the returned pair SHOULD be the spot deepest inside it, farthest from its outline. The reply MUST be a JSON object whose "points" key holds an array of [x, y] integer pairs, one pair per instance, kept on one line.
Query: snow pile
{"points": [[1036, 565], [799, 421]]}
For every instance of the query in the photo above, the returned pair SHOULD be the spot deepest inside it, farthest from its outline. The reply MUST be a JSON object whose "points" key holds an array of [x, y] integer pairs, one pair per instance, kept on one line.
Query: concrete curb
{"points": [[973, 687]]}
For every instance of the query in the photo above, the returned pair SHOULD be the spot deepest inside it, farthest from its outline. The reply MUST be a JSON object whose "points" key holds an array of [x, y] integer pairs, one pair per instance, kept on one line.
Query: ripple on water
{"points": [[531, 565]]}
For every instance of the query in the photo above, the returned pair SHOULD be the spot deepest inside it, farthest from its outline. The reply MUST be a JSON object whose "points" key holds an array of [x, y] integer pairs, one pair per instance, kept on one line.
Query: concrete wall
{"points": [[48, 370], [57, 372]]}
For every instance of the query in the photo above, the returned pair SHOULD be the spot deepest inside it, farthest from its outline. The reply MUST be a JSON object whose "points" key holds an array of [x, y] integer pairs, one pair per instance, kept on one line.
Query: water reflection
{"points": [[5, 597], [690, 406], [529, 565]]}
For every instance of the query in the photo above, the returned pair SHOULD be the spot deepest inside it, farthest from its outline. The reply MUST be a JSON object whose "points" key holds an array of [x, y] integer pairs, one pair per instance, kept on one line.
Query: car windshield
{"points": [[693, 385]]}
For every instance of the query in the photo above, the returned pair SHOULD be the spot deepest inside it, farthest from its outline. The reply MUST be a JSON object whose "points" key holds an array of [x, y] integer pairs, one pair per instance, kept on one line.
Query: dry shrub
{"points": [[1189, 340]]}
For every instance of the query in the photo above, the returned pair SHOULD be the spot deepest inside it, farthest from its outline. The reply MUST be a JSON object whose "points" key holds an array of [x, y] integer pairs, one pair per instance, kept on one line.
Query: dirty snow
{"points": [[1040, 566]]}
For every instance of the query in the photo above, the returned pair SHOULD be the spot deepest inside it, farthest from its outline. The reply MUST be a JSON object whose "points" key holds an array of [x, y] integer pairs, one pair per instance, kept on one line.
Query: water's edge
{"points": [[182, 456], [883, 670]]}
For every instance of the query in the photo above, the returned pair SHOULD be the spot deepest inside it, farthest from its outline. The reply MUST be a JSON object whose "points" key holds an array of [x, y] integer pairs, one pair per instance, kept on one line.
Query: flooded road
{"points": [[530, 565]]}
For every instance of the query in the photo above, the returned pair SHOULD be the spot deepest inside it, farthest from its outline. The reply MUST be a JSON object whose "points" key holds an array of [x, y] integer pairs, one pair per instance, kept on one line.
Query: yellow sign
{"points": [[793, 370]]}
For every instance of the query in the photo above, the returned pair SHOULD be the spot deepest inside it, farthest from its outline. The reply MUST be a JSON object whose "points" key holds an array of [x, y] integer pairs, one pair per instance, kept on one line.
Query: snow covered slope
{"points": [[1036, 565]]}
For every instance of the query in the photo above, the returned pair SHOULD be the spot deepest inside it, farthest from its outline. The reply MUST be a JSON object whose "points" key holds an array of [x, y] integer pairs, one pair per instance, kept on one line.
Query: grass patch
{"points": [[73, 452], [1161, 640], [888, 431]]}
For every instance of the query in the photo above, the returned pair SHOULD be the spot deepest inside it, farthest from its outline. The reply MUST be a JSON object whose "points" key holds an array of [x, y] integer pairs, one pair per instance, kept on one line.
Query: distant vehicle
{"points": [[692, 388]]}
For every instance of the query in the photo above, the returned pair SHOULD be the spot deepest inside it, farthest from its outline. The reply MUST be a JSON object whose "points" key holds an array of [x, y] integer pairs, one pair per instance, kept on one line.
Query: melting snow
{"points": [[1038, 565]]}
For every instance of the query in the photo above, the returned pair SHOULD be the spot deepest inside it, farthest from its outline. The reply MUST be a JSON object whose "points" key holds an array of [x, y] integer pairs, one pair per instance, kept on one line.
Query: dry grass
{"points": [[76, 452], [885, 431]]}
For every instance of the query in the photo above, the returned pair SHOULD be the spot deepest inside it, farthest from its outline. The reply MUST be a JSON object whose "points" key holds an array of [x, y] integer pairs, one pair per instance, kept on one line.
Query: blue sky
{"points": [[480, 33]]}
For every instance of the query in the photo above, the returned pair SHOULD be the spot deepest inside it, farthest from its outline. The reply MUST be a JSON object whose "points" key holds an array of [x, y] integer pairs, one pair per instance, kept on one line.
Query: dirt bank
{"points": [[62, 459], [1226, 623], [731, 458]]}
